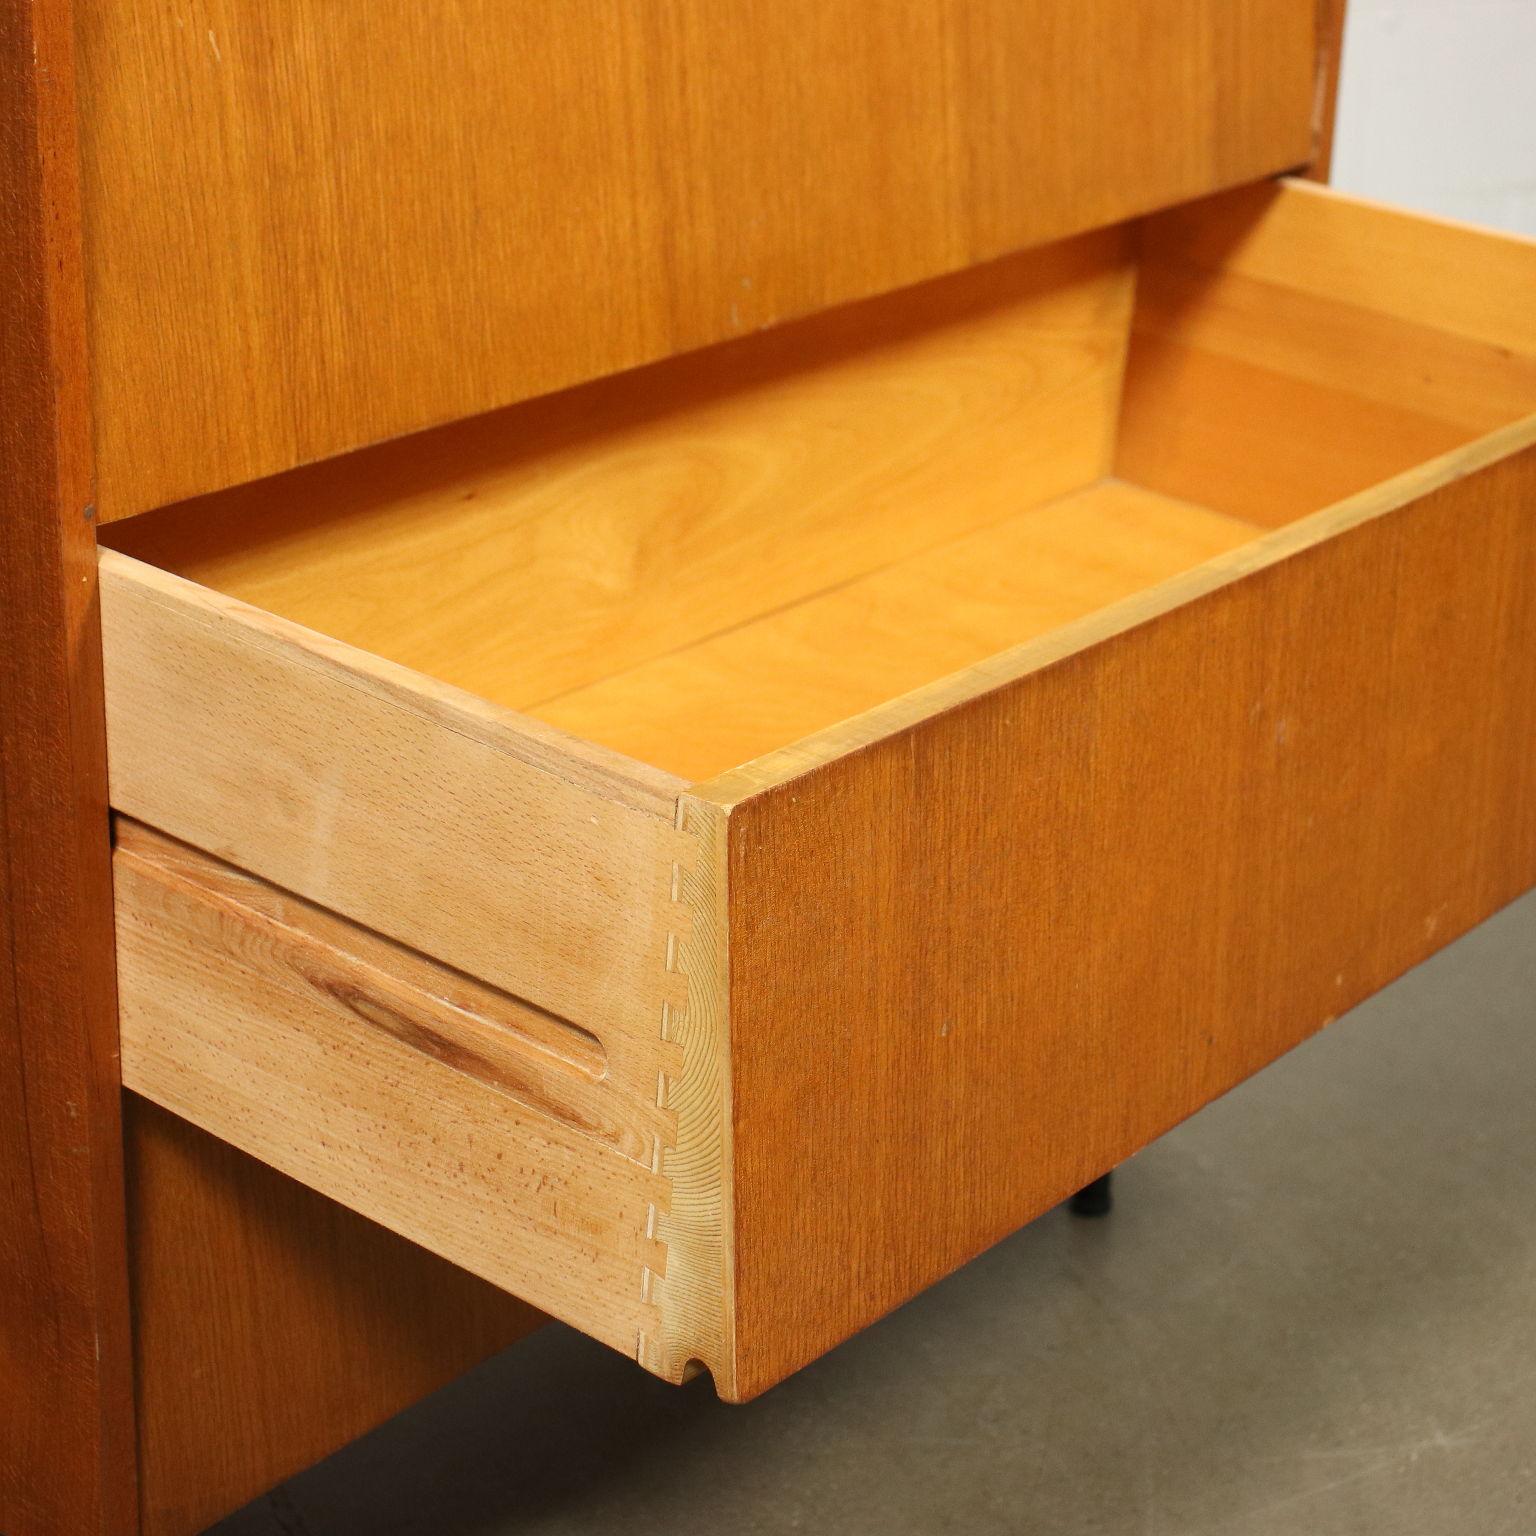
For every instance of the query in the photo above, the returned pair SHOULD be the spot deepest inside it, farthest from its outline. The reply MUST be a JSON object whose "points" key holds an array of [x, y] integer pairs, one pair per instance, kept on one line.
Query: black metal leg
{"points": [[1094, 1199]]}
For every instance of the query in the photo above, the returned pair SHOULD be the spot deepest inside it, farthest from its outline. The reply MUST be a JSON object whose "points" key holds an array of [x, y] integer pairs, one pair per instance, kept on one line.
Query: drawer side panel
{"points": [[276, 1029], [477, 836], [449, 967], [981, 960]]}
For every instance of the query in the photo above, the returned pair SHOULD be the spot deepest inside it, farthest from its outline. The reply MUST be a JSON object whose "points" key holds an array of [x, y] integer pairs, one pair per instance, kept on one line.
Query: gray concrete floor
{"points": [[1313, 1310]]}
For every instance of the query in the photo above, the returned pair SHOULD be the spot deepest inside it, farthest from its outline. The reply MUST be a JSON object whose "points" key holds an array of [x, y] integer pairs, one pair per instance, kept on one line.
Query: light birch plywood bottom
{"points": [[774, 679]]}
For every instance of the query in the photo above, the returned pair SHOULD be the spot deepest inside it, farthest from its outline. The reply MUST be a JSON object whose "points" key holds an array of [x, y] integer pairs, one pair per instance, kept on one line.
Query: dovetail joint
{"points": [[672, 972]]}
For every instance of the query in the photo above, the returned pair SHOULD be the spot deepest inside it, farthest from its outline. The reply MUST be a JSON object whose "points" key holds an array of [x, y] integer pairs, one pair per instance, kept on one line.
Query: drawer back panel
{"points": [[311, 226]]}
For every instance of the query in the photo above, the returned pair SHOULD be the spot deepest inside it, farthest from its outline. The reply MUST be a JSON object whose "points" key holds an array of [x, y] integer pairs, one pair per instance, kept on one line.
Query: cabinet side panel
{"points": [[66, 1401], [979, 962], [313, 226]]}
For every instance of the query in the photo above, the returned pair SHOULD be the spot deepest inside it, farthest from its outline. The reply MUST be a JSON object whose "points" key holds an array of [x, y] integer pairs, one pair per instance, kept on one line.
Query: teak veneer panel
{"points": [[1070, 909], [313, 226], [66, 1370]]}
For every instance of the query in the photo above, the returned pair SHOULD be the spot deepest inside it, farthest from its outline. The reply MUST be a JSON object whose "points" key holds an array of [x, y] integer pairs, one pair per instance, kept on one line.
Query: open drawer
{"points": [[712, 850]]}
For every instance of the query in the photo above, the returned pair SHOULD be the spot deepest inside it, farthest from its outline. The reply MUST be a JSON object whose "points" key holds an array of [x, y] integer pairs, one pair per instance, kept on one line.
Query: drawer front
{"points": [[399, 215], [979, 959]]}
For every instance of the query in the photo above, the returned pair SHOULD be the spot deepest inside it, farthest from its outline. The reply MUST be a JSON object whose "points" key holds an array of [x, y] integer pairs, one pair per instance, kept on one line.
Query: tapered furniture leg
{"points": [[1096, 1199]]}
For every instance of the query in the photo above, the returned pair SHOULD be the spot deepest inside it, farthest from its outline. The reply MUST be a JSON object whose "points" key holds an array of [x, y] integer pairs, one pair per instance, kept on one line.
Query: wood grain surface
{"points": [[1330, 58], [797, 669], [1470, 282], [315, 226], [307, 230], [536, 551], [911, 978], [985, 958], [482, 838], [694, 1293], [272, 1325], [398, 1089], [66, 1404], [1292, 347], [687, 563]]}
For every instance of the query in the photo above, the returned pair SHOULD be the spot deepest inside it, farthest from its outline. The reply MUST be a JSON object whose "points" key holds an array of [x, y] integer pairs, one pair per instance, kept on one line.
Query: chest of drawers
{"points": [[739, 646]]}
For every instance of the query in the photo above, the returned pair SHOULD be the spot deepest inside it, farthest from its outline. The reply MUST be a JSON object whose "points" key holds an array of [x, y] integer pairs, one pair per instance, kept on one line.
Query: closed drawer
{"points": [[713, 850]]}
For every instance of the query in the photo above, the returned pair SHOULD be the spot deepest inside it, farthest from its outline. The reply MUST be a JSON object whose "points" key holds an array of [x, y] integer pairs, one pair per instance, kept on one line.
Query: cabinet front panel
{"points": [[315, 225]]}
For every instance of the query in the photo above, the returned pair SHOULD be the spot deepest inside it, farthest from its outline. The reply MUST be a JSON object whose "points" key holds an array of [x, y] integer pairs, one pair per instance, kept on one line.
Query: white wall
{"points": [[1437, 108]]}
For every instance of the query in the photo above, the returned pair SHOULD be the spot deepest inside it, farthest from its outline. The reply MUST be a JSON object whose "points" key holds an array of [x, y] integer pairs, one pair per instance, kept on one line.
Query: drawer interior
{"points": [[703, 561]]}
